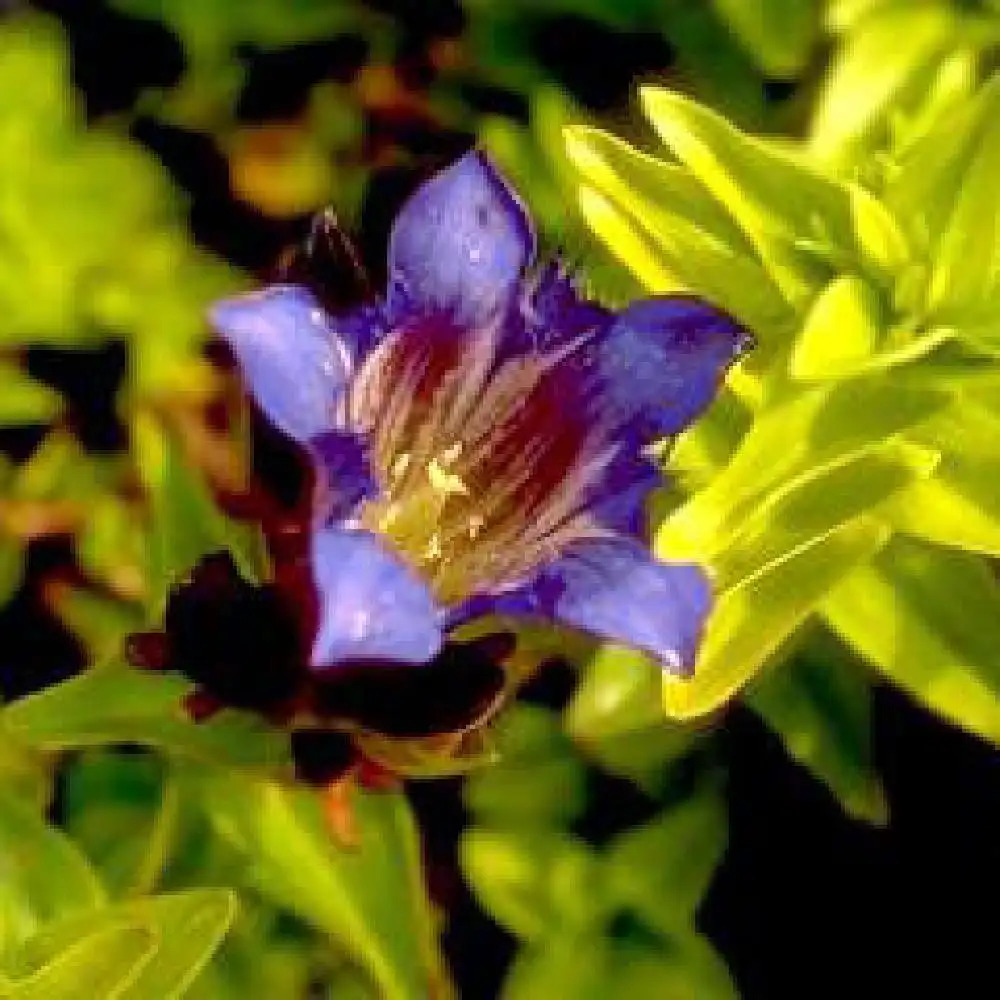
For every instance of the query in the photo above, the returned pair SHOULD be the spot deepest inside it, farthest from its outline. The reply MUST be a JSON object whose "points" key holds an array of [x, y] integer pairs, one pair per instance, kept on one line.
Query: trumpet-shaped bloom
{"points": [[480, 434]]}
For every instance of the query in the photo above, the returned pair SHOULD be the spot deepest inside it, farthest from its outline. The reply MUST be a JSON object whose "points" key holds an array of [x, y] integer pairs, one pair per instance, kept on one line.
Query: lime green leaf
{"points": [[112, 545], [123, 811], [695, 241], [887, 59], [791, 444], [618, 693], [840, 332], [185, 928], [537, 777], [778, 34], [25, 401], [370, 899], [59, 469], [798, 219], [616, 719], [625, 242], [957, 507], [44, 874], [820, 706], [929, 619], [99, 622], [960, 505], [880, 234], [531, 881], [661, 870], [637, 181], [588, 967], [104, 964], [818, 500], [573, 965], [967, 261], [186, 522], [931, 171], [115, 703], [753, 619], [651, 758]]}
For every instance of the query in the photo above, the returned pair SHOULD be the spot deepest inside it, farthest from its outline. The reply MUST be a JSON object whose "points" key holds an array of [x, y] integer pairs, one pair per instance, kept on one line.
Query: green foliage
{"points": [[843, 489], [865, 261], [591, 918]]}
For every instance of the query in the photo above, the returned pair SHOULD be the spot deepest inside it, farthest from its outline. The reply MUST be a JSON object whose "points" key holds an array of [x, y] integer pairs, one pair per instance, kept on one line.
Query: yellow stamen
{"points": [[444, 482]]}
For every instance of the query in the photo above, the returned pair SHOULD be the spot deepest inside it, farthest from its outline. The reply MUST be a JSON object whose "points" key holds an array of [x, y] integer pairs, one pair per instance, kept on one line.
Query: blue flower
{"points": [[480, 435]]}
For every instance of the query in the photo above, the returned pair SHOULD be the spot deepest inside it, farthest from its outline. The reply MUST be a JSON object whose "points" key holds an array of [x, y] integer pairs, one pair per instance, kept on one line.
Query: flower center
{"points": [[484, 466]]}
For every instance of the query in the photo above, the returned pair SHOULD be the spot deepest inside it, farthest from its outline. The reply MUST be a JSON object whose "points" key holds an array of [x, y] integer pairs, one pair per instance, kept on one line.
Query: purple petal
{"points": [[616, 590], [553, 312], [293, 363], [660, 363], [344, 476], [459, 246], [372, 606], [361, 328], [620, 502]]}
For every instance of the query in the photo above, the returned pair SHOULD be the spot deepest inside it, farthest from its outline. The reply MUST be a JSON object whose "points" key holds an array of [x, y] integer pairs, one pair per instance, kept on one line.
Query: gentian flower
{"points": [[480, 435]]}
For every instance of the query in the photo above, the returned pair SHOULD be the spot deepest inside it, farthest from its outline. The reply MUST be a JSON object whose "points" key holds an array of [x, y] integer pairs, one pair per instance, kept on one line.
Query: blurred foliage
{"points": [[843, 488]]}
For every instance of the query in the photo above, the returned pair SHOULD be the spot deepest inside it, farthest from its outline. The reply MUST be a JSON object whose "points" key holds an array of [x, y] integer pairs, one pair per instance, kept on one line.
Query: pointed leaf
{"points": [[43, 873], [791, 441], [778, 34], [840, 332], [820, 706], [105, 964], [25, 401], [369, 899], [929, 620], [696, 241], [626, 242], [784, 205], [885, 60], [753, 619], [960, 505], [661, 870], [590, 967], [186, 929], [537, 777], [932, 169], [966, 269], [115, 703], [531, 881]]}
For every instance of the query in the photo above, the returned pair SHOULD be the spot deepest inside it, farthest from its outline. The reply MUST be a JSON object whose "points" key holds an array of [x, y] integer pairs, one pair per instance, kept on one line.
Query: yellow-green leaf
{"points": [[798, 218], [819, 704], [103, 964], [928, 619], [840, 332], [888, 57], [753, 619]]}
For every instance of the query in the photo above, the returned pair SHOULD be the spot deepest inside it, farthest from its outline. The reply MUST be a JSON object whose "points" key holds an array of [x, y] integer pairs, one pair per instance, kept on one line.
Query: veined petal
{"points": [[553, 312], [372, 606], [293, 363], [614, 589], [344, 474], [661, 361], [459, 246], [619, 503]]}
